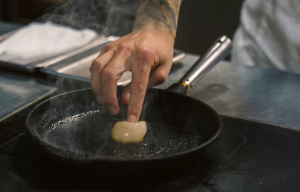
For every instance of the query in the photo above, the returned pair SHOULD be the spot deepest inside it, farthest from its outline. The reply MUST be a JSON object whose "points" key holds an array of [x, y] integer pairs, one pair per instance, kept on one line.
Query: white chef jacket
{"points": [[268, 35]]}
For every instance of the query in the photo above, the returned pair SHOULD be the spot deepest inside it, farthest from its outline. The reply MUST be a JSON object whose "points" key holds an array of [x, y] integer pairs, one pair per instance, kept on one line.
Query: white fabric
{"points": [[269, 35], [40, 41]]}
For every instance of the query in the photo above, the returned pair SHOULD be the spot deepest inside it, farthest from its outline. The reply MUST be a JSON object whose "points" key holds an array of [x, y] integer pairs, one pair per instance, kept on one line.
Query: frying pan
{"points": [[73, 130]]}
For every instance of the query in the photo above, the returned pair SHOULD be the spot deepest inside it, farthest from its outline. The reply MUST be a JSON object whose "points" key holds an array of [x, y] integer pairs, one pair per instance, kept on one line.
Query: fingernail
{"points": [[112, 110], [100, 100], [128, 97], [131, 118]]}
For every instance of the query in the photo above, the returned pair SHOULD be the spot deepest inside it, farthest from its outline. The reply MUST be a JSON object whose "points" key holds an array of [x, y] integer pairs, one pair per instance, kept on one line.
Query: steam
{"points": [[109, 17]]}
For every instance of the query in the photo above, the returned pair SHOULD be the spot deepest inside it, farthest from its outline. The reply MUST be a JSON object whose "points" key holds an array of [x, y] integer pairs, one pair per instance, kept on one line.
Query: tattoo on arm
{"points": [[164, 12], [161, 11]]}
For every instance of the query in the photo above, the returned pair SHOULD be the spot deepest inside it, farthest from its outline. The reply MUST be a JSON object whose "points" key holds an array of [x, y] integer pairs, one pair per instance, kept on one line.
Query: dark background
{"points": [[200, 21]]}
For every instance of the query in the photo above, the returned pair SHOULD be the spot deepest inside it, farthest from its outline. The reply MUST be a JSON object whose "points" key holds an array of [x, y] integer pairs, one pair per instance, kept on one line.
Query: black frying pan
{"points": [[74, 130]]}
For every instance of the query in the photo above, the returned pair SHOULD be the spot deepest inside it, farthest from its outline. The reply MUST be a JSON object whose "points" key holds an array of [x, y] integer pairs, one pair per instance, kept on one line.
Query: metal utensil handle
{"points": [[217, 52]]}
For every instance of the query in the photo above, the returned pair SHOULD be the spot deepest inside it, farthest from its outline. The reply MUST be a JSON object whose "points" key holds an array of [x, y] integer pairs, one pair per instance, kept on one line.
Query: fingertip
{"points": [[131, 118], [113, 110]]}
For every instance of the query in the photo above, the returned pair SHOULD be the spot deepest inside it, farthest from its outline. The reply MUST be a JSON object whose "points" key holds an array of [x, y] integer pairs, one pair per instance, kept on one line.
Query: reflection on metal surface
{"points": [[217, 52], [255, 94], [18, 92]]}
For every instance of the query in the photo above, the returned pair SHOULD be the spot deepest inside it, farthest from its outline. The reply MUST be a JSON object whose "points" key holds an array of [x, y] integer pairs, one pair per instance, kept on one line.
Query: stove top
{"points": [[246, 157]]}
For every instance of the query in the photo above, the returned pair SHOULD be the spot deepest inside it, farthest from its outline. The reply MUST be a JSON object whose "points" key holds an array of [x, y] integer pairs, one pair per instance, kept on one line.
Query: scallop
{"points": [[129, 132]]}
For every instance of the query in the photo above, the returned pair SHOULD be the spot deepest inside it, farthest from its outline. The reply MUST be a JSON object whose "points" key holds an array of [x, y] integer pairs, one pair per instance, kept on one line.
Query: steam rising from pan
{"points": [[109, 17]]}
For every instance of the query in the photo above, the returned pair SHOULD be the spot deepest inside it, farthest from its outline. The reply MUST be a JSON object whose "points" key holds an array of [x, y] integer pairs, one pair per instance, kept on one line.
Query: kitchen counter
{"points": [[260, 95], [246, 157]]}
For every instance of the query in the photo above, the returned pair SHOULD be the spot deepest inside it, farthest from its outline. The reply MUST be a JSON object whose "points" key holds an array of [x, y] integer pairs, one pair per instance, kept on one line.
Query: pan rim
{"points": [[58, 152]]}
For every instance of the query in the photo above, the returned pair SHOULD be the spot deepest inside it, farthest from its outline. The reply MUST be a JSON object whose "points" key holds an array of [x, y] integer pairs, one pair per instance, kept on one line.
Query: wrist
{"points": [[153, 27]]}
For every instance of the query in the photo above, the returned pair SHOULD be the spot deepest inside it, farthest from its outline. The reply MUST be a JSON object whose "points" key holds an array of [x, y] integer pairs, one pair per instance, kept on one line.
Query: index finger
{"points": [[139, 83]]}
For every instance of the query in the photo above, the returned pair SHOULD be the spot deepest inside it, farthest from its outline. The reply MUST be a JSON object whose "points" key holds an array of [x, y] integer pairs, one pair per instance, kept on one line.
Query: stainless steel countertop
{"points": [[262, 95], [18, 91]]}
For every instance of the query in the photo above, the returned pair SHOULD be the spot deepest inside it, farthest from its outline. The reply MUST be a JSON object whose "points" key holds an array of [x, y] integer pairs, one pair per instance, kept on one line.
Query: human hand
{"points": [[147, 53]]}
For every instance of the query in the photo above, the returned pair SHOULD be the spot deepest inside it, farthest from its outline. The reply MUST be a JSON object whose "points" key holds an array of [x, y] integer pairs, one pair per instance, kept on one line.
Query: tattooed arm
{"points": [[160, 13], [147, 52]]}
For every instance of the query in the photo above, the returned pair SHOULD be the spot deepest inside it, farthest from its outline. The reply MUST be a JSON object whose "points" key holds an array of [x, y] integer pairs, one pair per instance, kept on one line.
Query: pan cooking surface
{"points": [[74, 126], [90, 135]]}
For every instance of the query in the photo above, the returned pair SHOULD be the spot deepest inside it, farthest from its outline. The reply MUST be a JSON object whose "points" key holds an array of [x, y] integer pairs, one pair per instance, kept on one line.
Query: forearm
{"points": [[158, 15]]}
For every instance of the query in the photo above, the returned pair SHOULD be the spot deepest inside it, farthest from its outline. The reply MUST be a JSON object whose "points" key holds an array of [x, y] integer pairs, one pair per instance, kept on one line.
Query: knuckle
{"points": [[126, 47], [146, 55], [147, 52], [96, 65], [108, 74], [139, 89], [107, 47]]}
